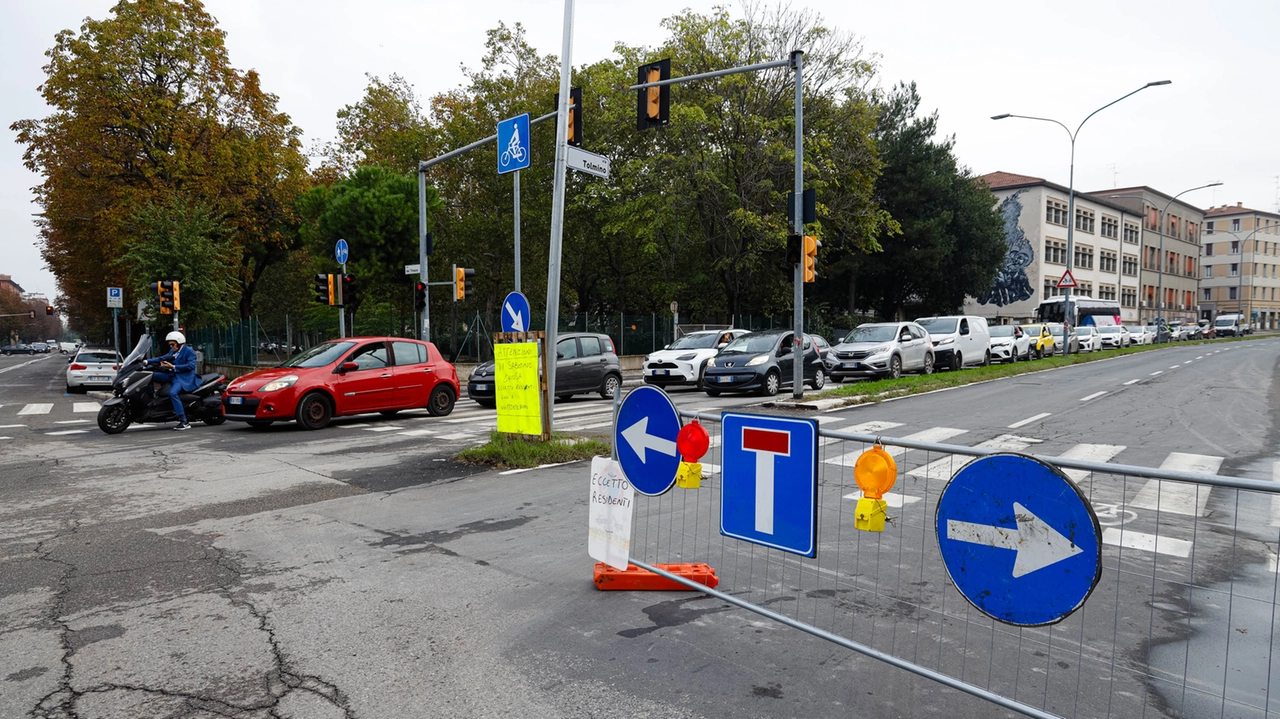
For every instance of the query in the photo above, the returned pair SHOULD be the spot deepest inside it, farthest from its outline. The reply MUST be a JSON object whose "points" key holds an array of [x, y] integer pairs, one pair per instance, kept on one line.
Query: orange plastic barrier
{"points": [[608, 578]]}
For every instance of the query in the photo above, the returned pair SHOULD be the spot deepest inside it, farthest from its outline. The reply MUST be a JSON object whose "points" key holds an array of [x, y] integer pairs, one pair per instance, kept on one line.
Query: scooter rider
{"points": [[180, 371]]}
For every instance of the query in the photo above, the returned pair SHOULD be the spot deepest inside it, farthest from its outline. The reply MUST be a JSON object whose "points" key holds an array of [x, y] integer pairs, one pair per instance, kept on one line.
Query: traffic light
{"points": [[811, 246], [462, 282], [32, 313], [653, 104], [430, 243], [166, 293], [575, 115], [793, 251], [348, 291], [328, 290], [420, 296], [48, 309], [177, 297]]}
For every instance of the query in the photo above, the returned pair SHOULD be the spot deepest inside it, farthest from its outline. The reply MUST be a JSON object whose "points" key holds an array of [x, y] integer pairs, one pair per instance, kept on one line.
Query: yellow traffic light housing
{"points": [[177, 298], [575, 115], [459, 283], [653, 104], [166, 296], [811, 246]]}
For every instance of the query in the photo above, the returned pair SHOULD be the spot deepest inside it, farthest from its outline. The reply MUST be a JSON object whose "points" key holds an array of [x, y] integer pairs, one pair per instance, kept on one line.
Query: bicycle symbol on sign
{"points": [[515, 151]]}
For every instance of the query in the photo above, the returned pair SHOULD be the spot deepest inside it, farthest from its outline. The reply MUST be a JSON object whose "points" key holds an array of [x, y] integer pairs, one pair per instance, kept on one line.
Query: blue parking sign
{"points": [[513, 144], [769, 470]]}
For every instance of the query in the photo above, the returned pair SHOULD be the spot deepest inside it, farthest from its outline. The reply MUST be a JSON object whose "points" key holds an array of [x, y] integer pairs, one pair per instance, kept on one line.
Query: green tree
{"points": [[952, 241]]}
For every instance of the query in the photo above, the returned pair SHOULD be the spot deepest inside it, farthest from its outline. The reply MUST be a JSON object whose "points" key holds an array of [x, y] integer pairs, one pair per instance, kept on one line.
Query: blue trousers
{"points": [[174, 391]]}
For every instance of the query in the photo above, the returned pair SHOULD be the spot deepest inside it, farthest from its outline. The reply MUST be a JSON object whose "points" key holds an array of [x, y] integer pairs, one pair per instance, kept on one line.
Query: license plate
{"points": [[725, 378], [850, 365], [482, 387], [666, 372], [235, 400], [99, 379]]}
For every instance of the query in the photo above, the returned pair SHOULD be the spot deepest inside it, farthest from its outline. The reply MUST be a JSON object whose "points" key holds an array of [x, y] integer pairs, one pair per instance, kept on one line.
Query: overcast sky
{"points": [[971, 60]]}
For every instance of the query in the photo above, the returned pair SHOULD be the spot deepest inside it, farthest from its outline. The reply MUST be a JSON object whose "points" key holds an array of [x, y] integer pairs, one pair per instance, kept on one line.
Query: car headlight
{"points": [[946, 340], [758, 360], [711, 362], [279, 384], [879, 350], [686, 358]]}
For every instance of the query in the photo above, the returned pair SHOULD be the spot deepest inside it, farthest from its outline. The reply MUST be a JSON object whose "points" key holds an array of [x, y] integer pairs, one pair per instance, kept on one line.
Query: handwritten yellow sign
{"points": [[519, 401]]}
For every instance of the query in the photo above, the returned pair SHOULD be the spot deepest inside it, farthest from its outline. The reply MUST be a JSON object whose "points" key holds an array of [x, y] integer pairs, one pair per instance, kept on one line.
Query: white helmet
{"points": [[176, 336]]}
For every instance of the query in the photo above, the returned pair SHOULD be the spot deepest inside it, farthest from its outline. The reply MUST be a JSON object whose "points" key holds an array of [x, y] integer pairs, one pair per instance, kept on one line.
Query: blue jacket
{"points": [[184, 367]]}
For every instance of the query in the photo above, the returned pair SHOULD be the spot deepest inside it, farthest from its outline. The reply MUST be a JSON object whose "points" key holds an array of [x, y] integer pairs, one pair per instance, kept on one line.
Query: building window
{"points": [[1235, 225], [1191, 232], [1231, 293], [1208, 250], [1190, 268], [1208, 227], [1051, 287], [1131, 233], [1084, 220], [1233, 270], [1130, 267], [1110, 227], [1235, 247], [1128, 297], [1173, 226], [1106, 292], [1150, 257], [1084, 257], [1206, 272], [1086, 289], [1153, 218], [1187, 300], [1150, 296], [1107, 262], [1056, 213], [1206, 294], [1055, 251]]}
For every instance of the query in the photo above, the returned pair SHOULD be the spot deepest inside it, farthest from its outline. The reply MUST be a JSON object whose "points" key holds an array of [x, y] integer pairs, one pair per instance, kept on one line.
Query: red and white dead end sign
{"points": [[1067, 281], [767, 444]]}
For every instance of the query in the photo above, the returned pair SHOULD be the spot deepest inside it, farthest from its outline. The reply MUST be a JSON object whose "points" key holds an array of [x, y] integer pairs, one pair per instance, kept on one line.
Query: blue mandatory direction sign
{"points": [[340, 252], [769, 467], [515, 313], [513, 144], [1019, 540], [645, 436]]}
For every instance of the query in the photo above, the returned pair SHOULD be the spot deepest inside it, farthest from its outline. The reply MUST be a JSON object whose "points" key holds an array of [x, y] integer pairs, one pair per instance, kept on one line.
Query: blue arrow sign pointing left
{"points": [[645, 436]]}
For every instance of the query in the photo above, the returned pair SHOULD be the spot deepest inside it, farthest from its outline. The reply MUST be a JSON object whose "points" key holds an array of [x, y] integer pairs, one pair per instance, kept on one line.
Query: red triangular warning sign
{"points": [[1067, 281]]}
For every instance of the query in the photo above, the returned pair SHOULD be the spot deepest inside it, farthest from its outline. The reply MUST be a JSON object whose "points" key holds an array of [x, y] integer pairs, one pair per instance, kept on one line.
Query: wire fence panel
{"points": [[1181, 623]]}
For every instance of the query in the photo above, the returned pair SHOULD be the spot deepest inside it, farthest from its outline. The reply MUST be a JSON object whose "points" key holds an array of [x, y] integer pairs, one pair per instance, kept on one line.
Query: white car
{"points": [[1009, 343], [1139, 335], [1090, 340], [1113, 337], [92, 368], [683, 361]]}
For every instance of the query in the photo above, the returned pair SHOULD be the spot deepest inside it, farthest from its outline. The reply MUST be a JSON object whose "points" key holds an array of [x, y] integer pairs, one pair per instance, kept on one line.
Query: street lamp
{"points": [[1240, 279], [1071, 202], [1160, 251]]}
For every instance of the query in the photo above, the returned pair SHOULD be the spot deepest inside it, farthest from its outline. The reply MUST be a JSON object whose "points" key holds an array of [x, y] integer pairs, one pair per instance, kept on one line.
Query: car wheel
{"points": [[986, 358], [772, 382], [819, 379], [389, 412], [75, 390], [114, 418], [895, 367], [213, 421], [702, 374], [441, 401], [564, 396], [712, 392], [486, 403], [609, 387], [928, 364], [957, 361], [314, 412], [259, 424]]}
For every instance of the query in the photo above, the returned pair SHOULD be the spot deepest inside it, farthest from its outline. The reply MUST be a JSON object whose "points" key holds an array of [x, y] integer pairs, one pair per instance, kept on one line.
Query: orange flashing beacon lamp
{"points": [[875, 472]]}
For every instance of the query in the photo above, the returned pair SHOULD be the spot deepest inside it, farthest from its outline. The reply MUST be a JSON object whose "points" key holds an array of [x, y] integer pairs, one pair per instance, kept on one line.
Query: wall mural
{"points": [[1012, 285]]}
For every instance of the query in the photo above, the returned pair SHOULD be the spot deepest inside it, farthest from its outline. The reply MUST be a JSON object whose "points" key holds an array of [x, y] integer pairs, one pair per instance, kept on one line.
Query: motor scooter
{"points": [[134, 400]]}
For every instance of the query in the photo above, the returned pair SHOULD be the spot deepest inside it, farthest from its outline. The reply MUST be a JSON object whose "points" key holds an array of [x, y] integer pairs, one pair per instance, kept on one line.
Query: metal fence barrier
{"points": [[1181, 623]]}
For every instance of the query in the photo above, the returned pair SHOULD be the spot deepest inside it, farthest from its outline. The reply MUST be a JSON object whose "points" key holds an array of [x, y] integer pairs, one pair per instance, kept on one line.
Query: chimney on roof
{"points": [[1239, 204]]}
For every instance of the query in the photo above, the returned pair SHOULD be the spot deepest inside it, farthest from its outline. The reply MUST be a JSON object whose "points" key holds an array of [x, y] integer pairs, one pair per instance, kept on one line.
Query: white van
{"points": [[958, 340], [1230, 326]]}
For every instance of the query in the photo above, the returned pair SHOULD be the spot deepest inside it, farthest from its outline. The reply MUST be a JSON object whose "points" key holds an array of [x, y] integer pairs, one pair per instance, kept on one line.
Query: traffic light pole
{"points": [[424, 333], [515, 180], [557, 217], [342, 310]]}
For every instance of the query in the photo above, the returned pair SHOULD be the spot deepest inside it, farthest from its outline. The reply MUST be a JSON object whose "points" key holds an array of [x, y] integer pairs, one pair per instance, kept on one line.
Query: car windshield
{"points": [[1084, 330], [873, 333], [320, 355], [752, 343], [938, 325], [107, 356], [1224, 323], [1110, 330], [1002, 330], [695, 342]]}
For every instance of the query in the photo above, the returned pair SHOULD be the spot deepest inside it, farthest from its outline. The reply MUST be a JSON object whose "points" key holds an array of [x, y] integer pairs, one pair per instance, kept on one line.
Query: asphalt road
{"points": [[356, 571]]}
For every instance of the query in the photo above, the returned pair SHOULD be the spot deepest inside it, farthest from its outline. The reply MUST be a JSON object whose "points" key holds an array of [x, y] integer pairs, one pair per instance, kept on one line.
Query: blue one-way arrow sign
{"points": [[516, 313], [645, 435]]}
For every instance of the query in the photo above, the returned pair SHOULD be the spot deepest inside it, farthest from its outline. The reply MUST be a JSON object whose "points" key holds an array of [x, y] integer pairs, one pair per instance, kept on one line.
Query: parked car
{"points": [[1139, 335], [1009, 343], [92, 368], [762, 362], [1178, 331], [1042, 341], [959, 340], [1059, 333], [1207, 331], [683, 361], [18, 349], [67, 348], [586, 362], [39, 348], [883, 349], [345, 377], [1113, 337], [1089, 338], [1230, 326], [824, 351]]}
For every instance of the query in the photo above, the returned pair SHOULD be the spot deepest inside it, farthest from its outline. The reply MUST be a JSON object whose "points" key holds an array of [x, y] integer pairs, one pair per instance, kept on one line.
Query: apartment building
{"points": [[1240, 267], [1104, 263], [8, 285], [1170, 258]]}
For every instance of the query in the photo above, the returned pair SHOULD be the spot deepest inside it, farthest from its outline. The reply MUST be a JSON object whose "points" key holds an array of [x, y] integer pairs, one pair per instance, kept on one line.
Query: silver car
{"points": [[882, 349]]}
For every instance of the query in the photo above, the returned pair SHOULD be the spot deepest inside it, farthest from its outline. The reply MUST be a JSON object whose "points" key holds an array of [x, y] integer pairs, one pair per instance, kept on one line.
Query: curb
{"points": [[104, 396]]}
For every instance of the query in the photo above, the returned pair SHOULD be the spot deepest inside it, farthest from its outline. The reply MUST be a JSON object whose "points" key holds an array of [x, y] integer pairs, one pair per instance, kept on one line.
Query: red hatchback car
{"points": [[345, 377]]}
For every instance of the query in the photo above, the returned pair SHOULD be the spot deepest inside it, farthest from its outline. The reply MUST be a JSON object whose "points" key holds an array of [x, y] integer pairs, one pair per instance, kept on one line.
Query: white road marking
{"points": [[933, 434], [873, 427], [1200, 357], [1179, 497], [72, 421], [1095, 395], [385, 428], [356, 425], [85, 407], [1187, 362], [11, 426], [893, 499], [418, 433], [1175, 367], [950, 464], [457, 435], [1089, 453], [1159, 371], [1132, 381], [1146, 542], [1029, 420], [36, 409], [65, 432]]}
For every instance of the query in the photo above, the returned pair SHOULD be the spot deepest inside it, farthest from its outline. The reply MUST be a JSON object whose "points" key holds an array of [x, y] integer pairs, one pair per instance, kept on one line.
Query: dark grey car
{"points": [[586, 362]]}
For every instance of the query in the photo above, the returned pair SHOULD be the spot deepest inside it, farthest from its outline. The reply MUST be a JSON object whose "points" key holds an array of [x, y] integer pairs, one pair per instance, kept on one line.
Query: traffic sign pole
{"points": [[557, 210], [516, 191], [797, 354]]}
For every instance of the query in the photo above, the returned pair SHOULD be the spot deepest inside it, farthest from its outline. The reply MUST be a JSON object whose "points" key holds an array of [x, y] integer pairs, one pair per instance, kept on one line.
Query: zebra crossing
{"points": [[49, 419]]}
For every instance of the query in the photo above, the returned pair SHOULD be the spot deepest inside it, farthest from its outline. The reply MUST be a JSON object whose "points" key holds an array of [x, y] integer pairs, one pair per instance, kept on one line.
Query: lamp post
{"points": [[1240, 280], [1071, 201], [1160, 251]]}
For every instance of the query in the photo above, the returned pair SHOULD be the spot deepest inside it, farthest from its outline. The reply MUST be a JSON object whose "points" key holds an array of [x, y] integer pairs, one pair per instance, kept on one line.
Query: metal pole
{"points": [[425, 329], [115, 330], [797, 354], [1160, 276], [342, 309], [516, 187], [1071, 260], [557, 212]]}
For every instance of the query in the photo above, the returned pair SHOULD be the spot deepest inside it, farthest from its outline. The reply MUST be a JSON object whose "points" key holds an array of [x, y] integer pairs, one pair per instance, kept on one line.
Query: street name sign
{"points": [[516, 313], [645, 437], [412, 269], [340, 252], [1019, 540], [513, 144], [115, 297], [588, 162], [769, 470]]}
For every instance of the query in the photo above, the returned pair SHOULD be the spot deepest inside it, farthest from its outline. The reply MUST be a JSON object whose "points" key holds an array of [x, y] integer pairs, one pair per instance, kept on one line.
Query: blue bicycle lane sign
{"points": [[513, 144]]}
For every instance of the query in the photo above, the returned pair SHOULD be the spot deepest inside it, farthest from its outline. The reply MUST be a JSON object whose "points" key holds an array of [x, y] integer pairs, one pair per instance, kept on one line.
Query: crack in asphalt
{"points": [[62, 699]]}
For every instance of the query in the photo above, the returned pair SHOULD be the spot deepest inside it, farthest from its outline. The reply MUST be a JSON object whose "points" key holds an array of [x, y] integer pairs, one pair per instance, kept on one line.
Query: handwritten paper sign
{"points": [[609, 515], [519, 401]]}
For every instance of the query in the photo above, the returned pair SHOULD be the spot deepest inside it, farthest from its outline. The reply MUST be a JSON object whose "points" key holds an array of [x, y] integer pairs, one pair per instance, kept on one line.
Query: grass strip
{"points": [[872, 391], [508, 451]]}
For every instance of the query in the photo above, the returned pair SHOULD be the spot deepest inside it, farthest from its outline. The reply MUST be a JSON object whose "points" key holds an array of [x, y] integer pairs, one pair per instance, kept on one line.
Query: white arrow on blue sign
{"points": [[769, 469], [645, 435], [340, 252], [1019, 540], [513, 144], [515, 313]]}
